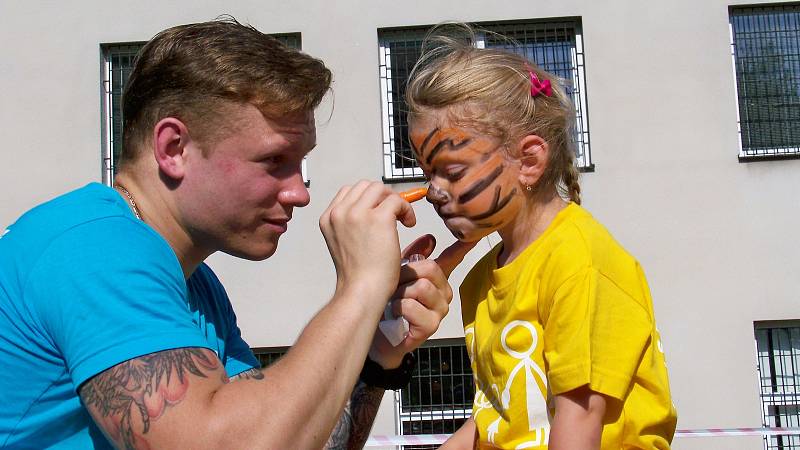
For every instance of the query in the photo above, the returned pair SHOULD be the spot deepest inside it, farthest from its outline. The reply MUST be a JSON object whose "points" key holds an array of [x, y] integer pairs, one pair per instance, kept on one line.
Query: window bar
{"points": [[108, 173]]}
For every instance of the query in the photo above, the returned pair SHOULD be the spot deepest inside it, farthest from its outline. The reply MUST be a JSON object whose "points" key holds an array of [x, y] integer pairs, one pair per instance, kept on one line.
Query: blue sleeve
{"points": [[238, 356], [110, 290]]}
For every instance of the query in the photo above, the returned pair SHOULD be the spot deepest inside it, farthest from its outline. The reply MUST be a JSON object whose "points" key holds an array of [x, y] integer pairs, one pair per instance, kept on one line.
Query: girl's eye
{"points": [[455, 174]]}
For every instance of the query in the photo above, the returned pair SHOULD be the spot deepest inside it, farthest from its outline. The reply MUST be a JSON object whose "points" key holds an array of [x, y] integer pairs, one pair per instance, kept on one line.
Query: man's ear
{"points": [[534, 156], [170, 138]]}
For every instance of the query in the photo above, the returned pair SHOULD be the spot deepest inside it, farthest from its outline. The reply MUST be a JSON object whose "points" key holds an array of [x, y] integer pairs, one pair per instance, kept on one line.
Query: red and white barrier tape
{"points": [[710, 432], [428, 439]]}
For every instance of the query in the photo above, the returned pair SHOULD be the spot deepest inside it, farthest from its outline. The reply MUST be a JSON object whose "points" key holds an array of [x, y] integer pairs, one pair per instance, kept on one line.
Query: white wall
{"points": [[717, 237]]}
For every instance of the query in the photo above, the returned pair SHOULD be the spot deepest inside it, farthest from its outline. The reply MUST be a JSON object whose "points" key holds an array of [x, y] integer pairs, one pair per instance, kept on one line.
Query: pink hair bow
{"points": [[540, 87]]}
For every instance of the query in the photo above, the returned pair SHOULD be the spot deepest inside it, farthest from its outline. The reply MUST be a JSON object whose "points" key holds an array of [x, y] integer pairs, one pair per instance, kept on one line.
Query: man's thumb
{"points": [[453, 255]]}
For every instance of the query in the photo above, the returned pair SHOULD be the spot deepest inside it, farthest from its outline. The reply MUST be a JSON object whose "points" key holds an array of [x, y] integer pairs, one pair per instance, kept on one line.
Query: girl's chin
{"points": [[464, 234]]}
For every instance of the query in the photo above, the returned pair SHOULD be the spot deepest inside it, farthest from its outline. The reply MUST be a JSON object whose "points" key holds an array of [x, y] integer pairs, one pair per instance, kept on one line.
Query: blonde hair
{"points": [[489, 91]]}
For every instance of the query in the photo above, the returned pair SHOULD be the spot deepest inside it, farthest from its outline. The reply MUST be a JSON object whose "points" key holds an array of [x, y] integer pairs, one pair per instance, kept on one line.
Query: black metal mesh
{"points": [[550, 44], [267, 356], [120, 58], [553, 46], [766, 48], [439, 396], [403, 52], [430, 427], [779, 375], [120, 64]]}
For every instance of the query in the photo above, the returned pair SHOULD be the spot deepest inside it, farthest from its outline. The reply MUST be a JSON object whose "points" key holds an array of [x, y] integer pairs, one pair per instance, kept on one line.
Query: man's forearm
{"points": [[354, 425]]}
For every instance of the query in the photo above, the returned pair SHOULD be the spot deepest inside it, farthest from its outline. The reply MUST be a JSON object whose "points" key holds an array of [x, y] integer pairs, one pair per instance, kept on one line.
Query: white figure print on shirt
{"points": [[482, 401], [535, 403]]}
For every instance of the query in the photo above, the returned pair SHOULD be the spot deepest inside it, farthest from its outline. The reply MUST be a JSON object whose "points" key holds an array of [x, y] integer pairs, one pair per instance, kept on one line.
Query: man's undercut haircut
{"points": [[197, 72]]}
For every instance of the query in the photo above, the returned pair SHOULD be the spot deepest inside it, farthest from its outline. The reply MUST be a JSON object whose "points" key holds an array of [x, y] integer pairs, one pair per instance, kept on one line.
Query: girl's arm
{"points": [[578, 422], [463, 439]]}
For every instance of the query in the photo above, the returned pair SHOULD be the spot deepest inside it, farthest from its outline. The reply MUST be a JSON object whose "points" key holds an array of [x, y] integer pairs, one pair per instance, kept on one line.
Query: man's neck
{"points": [[154, 206]]}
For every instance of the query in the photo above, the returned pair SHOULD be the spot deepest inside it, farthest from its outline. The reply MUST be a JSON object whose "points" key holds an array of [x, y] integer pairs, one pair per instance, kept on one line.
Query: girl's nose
{"points": [[437, 195]]}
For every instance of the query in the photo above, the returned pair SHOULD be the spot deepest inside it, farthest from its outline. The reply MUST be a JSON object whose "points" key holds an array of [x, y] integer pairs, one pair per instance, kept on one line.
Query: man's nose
{"points": [[294, 192]]}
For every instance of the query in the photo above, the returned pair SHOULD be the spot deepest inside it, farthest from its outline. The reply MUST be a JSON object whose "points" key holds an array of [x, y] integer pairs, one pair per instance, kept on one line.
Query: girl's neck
{"points": [[532, 221]]}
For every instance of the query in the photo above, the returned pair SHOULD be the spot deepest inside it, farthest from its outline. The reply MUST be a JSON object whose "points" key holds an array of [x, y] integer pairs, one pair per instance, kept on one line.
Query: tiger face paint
{"points": [[473, 186]]}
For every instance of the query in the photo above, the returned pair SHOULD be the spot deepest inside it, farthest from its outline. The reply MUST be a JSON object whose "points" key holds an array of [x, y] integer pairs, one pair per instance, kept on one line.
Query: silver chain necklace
{"points": [[130, 199]]}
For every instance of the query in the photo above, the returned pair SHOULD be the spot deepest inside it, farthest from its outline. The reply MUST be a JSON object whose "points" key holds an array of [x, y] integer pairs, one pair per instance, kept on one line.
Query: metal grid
{"points": [[266, 356], [399, 51], [439, 396], [779, 375], [118, 65], [557, 46], [118, 62], [765, 43]]}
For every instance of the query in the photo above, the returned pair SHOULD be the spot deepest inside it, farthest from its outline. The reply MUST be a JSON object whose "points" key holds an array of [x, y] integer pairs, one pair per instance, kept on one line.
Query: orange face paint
{"points": [[415, 194]]}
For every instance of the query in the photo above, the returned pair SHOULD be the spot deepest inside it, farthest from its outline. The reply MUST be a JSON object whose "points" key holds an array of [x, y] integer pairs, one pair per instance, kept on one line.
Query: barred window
{"points": [[439, 397], [778, 347], [765, 43], [118, 62], [267, 356], [555, 45]]}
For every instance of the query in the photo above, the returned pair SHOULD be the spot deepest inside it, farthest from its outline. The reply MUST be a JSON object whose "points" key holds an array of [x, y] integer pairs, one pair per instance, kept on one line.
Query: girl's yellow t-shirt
{"points": [[573, 309]]}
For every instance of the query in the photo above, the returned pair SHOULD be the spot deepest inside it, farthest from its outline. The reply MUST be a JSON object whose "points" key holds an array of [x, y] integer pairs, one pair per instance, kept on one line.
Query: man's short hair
{"points": [[192, 72]]}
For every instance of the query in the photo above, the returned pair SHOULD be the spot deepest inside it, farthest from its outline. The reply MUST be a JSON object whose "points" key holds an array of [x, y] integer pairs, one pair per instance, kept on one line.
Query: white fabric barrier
{"points": [[433, 439]]}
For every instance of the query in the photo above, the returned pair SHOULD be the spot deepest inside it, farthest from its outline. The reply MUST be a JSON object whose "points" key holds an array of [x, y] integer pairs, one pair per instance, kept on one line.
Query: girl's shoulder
{"points": [[583, 241]]}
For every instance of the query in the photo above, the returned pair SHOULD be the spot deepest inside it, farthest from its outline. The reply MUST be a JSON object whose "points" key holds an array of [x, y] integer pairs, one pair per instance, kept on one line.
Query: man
{"points": [[111, 324]]}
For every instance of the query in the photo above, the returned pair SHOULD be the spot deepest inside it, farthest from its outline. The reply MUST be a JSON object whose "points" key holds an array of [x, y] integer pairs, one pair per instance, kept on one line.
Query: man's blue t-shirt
{"points": [[84, 286]]}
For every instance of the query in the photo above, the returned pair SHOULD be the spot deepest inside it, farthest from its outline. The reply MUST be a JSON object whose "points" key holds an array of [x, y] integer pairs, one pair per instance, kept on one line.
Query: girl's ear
{"points": [[534, 156]]}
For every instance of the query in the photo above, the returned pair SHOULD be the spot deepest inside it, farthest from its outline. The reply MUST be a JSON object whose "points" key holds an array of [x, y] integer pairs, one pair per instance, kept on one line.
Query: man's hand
{"points": [[361, 233], [423, 297]]}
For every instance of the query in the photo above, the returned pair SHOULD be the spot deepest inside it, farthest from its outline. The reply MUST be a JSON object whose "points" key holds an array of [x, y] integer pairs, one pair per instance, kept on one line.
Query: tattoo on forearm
{"points": [[140, 390], [341, 432], [352, 430], [249, 374]]}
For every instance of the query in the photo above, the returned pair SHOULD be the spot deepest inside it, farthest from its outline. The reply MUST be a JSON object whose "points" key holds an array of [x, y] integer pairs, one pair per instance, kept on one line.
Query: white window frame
{"points": [[393, 173], [387, 120], [402, 417], [767, 152], [770, 401]]}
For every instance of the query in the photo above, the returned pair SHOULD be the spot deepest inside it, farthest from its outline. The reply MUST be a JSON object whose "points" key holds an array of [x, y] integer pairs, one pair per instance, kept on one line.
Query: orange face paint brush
{"points": [[415, 194]]}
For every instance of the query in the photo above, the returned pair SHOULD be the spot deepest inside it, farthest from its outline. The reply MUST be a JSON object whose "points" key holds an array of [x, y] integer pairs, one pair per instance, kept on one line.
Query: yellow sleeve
{"points": [[594, 334]]}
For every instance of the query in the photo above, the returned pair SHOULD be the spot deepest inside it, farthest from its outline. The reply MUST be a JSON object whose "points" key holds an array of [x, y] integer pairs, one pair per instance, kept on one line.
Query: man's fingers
{"points": [[453, 255], [427, 293], [422, 322], [423, 245]]}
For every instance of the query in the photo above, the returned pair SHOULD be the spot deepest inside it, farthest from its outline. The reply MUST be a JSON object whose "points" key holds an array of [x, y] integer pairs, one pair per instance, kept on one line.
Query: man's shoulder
{"points": [[53, 217], [81, 232]]}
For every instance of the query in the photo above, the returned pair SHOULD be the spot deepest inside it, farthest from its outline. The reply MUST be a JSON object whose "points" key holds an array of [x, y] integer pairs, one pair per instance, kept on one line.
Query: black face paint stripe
{"points": [[449, 142], [426, 141], [497, 204], [480, 185]]}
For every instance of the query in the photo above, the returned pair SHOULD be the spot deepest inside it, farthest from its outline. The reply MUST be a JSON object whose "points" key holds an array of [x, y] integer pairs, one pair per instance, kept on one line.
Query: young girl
{"points": [[558, 317]]}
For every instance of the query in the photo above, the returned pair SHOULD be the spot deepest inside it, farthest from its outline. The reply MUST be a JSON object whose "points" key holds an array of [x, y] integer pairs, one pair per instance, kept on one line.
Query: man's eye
{"points": [[272, 160]]}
